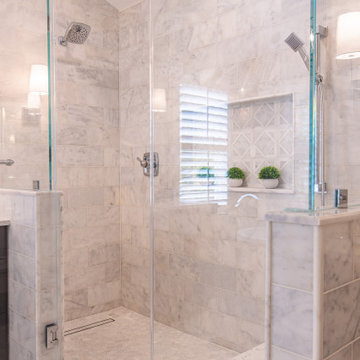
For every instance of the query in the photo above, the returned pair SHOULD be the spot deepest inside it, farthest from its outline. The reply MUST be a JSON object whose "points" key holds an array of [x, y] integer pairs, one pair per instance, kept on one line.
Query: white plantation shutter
{"points": [[204, 139]]}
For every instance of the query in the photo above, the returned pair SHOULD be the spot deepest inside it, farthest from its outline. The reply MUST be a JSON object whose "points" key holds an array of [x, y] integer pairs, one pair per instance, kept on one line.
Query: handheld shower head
{"points": [[297, 45], [76, 33], [294, 42]]}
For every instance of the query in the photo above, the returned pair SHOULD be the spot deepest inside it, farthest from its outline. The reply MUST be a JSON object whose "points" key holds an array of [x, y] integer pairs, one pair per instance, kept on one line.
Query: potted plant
{"points": [[269, 176], [236, 177], [205, 172]]}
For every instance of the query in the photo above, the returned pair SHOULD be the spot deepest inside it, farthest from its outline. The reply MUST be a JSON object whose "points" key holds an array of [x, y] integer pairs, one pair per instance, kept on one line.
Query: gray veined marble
{"points": [[291, 325], [342, 317], [125, 339], [338, 244], [345, 354], [293, 256]]}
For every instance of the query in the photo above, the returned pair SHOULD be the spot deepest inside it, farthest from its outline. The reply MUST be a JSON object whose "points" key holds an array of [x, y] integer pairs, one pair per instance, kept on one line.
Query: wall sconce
{"points": [[38, 86], [39, 79], [159, 100], [348, 36]]}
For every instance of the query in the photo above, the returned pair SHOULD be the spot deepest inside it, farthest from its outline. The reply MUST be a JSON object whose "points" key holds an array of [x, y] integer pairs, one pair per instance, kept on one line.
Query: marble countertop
{"points": [[4, 222], [314, 218]]}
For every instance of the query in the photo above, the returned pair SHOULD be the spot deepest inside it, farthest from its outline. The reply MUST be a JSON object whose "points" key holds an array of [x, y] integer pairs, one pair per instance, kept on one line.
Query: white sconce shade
{"points": [[159, 100], [348, 36], [39, 79], [34, 101]]}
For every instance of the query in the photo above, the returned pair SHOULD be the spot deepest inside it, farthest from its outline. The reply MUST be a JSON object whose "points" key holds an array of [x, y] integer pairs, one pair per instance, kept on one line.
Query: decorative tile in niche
{"points": [[262, 134]]}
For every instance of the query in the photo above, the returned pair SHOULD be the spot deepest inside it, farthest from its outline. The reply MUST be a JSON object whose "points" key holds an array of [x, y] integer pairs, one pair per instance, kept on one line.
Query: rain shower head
{"points": [[297, 45], [76, 33]]}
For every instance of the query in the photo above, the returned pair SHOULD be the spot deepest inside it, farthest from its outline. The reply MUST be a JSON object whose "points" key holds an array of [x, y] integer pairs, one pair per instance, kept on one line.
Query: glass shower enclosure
{"points": [[149, 104]]}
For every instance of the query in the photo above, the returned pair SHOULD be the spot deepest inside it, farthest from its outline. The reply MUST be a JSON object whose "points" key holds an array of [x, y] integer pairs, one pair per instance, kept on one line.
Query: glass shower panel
{"points": [[102, 126], [227, 91], [24, 115], [30, 224], [341, 70]]}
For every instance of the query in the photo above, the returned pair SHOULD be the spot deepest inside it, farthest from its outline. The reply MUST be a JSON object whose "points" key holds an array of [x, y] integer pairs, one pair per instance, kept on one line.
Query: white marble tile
{"points": [[22, 269], [292, 255], [281, 354], [356, 350], [338, 247], [292, 320], [126, 338], [22, 300], [345, 354], [342, 317]]}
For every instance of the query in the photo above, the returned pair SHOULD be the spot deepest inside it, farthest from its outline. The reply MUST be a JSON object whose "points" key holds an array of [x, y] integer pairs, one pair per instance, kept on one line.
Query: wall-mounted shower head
{"points": [[297, 45], [76, 33]]}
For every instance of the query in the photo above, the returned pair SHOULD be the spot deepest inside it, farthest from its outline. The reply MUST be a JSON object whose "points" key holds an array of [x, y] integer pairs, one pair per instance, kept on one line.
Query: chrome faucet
{"points": [[7, 162], [245, 196]]}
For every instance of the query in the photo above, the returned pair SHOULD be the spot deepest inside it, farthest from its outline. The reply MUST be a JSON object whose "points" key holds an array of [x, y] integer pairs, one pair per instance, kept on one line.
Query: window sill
{"points": [[244, 189]]}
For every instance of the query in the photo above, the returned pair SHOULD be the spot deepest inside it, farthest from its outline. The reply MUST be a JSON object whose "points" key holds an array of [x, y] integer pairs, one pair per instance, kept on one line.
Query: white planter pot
{"points": [[270, 183], [235, 182]]}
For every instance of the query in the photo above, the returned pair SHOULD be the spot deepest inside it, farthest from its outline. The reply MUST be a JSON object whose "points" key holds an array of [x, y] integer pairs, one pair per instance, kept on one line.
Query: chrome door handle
{"points": [[143, 163], [7, 162]]}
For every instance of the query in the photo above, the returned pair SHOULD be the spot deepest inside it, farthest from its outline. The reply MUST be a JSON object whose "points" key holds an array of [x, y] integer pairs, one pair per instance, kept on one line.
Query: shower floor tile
{"points": [[127, 338]]}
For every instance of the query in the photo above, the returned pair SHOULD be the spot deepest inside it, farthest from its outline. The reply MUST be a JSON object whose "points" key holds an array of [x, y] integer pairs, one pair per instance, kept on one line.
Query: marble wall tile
{"points": [[292, 320], [293, 265], [355, 232], [22, 331], [242, 306], [105, 293], [22, 300], [23, 239], [356, 350], [281, 354], [22, 269], [345, 354], [338, 246], [17, 352], [342, 314], [88, 156]]}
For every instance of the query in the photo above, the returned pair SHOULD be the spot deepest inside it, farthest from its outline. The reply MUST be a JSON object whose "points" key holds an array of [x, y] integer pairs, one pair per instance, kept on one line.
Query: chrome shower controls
{"points": [[145, 164], [7, 162], [341, 198]]}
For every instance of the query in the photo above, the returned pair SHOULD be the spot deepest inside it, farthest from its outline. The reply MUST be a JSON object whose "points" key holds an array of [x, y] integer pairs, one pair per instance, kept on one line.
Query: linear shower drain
{"points": [[88, 326]]}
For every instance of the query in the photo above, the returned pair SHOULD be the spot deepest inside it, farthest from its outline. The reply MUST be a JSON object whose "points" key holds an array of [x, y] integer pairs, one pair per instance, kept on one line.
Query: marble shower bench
{"points": [[313, 285]]}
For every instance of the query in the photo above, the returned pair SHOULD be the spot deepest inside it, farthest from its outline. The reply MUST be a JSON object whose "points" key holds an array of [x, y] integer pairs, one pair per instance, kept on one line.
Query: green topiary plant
{"points": [[269, 172], [205, 172], [235, 173]]}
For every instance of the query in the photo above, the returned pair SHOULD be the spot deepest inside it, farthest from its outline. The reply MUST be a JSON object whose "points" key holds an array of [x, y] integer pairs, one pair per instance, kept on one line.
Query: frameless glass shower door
{"points": [[227, 91]]}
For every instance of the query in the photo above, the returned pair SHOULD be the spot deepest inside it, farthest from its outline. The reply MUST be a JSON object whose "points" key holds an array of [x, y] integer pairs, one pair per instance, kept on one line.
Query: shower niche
{"points": [[262, 134]]}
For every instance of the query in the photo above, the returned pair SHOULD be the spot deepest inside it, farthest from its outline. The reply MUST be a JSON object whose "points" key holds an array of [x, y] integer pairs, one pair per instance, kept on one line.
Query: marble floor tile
{"points": [[128, 338]]}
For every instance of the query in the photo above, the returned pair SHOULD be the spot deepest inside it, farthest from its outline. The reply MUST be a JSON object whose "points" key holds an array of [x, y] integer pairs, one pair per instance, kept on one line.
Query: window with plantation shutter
{"points": [[204, 140]]}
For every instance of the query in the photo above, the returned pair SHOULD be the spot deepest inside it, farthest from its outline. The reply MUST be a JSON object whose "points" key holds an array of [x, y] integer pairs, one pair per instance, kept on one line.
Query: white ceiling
{"points": [[123, 4]]}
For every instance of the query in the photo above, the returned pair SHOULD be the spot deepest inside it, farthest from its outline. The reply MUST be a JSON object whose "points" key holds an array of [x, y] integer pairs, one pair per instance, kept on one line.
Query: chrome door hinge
{"points": [[51, 333], [319, 188]]}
